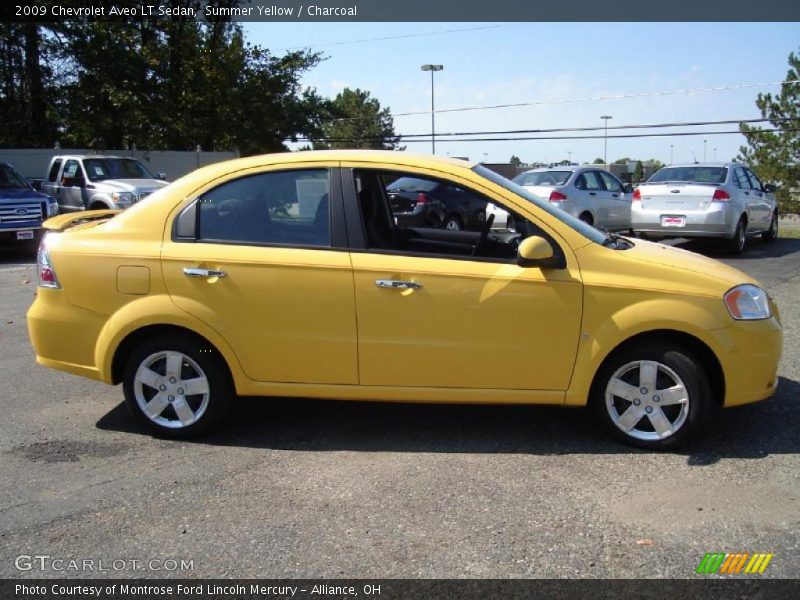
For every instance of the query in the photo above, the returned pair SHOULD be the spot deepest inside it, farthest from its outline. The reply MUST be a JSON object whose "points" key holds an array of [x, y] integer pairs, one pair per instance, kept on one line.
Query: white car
{"points": [[718, 200], [593, 195]]}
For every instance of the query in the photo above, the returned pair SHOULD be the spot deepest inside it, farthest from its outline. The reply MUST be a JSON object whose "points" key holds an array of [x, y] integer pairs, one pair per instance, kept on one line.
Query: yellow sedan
{"points": [[289, 275]]}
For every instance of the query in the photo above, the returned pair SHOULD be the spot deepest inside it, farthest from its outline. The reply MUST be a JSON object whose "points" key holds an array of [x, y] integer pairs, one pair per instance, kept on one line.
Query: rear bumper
{"points": [[718, 220], [63, 335]]}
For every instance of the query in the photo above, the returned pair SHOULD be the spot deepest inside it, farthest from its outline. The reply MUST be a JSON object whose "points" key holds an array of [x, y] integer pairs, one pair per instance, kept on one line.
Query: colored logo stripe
{"points": [[721, 562]]}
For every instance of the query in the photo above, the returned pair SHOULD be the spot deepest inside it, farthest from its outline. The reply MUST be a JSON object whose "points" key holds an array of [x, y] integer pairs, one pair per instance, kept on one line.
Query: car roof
{"points": [[703, 164], [72, 156], [367, 156]]}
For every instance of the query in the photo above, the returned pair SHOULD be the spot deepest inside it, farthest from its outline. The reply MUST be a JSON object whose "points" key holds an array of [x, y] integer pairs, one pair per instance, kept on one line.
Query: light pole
{"points": [[432, 69], [715, 154], [605, 138], [705, 144], [671, 159], [569, 156]]}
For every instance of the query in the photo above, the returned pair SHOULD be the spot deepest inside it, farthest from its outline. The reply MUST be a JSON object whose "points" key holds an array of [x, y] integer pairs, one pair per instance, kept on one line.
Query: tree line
{"points": [[168, 84]]}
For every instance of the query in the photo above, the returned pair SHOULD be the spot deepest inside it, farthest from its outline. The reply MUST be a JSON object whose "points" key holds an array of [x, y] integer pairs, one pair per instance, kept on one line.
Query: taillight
{"points": [[422, 198], [637, 195], [721, 196], [47, 275], [557, 196]]}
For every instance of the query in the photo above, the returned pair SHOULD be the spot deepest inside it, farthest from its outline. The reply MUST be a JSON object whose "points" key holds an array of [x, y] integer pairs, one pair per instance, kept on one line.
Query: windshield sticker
{"points": [[98, 170]]}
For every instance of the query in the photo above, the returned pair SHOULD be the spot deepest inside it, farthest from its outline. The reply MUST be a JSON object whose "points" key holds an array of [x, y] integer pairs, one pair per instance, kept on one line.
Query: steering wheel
{"points": [[484, 234]]}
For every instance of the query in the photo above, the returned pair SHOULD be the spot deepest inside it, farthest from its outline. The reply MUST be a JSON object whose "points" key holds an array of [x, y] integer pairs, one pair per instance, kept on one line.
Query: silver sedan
{"points": [[717, 200], [591, 194]]}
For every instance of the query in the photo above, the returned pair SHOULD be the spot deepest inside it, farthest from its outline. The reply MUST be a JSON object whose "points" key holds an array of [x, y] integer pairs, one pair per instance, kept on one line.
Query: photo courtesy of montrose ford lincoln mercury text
{"points": [[289, 275]]}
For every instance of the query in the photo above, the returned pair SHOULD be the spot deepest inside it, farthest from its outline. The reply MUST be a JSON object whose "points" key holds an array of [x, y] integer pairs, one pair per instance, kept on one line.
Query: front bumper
{"points": [[750, 353]]}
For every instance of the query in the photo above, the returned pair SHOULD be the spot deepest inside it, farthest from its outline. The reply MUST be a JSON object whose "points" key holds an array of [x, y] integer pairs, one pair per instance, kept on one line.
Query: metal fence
{"points": [[34, 163]]}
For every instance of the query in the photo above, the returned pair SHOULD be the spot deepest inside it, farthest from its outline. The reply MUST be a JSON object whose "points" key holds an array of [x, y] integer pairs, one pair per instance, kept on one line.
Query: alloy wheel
{"points": [[647, 400], [171, 389]]}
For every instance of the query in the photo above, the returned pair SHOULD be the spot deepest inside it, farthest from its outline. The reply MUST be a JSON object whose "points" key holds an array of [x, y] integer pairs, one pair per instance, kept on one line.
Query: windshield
{"points": [[9, 178], [411, 184], [713, 175], [583, 228], [99, 169], [552, 178]]}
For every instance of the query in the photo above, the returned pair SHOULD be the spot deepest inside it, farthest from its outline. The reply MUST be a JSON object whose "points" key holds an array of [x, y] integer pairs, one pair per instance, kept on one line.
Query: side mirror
{"points": [[535, 251], [770, 188], [162, 176]]}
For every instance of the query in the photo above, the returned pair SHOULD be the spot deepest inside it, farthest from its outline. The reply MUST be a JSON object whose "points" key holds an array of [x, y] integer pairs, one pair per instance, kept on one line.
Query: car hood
{"points": [[130, 185], [649, 265], [11, 195]]}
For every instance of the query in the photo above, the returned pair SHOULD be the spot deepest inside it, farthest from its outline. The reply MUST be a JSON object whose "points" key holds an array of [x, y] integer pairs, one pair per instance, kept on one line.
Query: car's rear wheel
{"points": [[738, 243], [771, 234], [177, 388], [587, 218], [652, 396], [453, 223]]}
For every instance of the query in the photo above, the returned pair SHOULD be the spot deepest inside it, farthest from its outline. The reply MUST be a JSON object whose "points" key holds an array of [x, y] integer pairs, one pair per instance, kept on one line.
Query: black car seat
{"points": [[380, 231], [322, 229]]}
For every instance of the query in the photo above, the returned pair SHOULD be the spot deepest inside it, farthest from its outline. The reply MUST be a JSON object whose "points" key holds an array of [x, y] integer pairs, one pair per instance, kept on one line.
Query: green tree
{"points": [[28, 94], [598, 161], [638, 173], [357, 121], [514, 161], [622, 161], [775, 155]]}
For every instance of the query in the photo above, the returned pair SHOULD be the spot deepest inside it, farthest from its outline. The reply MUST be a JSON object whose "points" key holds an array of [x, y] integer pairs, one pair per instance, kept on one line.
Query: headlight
{"points": [[122, 198], [747, 302]]}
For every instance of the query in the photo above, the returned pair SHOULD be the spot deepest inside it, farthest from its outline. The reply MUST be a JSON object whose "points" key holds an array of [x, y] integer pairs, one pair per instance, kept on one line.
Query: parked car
{"points": [[593, 195], [22, 209], [93, 182], [710, 200], [429, 203], [286, 275]]}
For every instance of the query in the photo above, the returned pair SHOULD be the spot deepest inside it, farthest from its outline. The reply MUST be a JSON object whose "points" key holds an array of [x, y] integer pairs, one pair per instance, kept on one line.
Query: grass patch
{"points": [[784, 232]]}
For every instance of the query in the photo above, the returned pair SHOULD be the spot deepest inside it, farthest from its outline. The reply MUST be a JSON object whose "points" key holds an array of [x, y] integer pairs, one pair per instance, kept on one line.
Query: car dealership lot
{"points": [[294, 488]]}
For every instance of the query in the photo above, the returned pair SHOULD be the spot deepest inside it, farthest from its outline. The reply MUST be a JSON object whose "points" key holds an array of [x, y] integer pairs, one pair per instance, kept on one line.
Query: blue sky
{"points": [[487, 64]]}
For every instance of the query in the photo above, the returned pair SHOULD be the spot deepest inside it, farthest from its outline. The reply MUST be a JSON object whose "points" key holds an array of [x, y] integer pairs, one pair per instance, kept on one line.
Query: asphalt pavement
{"points": [[301, 488]]}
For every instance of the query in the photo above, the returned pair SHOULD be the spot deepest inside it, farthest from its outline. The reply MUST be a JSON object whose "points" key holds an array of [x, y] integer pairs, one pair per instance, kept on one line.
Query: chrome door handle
{"points": [[192, 272], [397, 285]]}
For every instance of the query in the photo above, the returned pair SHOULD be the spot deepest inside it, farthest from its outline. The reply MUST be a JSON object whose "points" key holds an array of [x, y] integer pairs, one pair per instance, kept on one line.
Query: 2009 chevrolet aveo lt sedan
{"points": [[288, 275]]}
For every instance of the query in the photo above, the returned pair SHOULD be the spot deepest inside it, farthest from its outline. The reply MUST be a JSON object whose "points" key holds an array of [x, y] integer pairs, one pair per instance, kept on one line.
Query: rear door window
{"points": [[611, 183], [589, 180], [277, 208], [740, 179]]}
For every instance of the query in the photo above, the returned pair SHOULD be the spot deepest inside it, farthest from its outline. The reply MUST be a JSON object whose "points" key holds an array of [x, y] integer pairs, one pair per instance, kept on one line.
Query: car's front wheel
{"points": [[652, 396], [176, 387]]}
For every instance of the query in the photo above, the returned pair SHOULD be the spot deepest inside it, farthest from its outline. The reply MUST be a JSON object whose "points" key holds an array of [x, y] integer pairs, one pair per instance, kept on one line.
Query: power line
{"points": [[391, 37], [722, 88], [601, 128], [571, 137]]}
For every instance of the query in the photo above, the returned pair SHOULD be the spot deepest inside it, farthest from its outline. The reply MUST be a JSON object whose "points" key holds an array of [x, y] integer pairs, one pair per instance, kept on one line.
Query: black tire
{"points": [[206, 360], [587, 218], [771, 234], [738, 243], [452, 223], [98, 206], [688, 418]]}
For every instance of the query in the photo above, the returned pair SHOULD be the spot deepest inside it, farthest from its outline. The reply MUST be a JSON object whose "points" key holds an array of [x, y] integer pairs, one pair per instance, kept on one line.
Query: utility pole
{"points": [[432, 69], [605, 138]]}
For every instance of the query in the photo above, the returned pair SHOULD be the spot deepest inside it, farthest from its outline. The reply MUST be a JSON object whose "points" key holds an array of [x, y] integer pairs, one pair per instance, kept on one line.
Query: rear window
{"points": [[412, 184], [698, 174], [553, 178]]}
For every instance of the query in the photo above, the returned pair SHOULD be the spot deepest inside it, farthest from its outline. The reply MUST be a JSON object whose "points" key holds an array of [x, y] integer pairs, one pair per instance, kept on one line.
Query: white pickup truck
{"points": [[92, 182]]}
